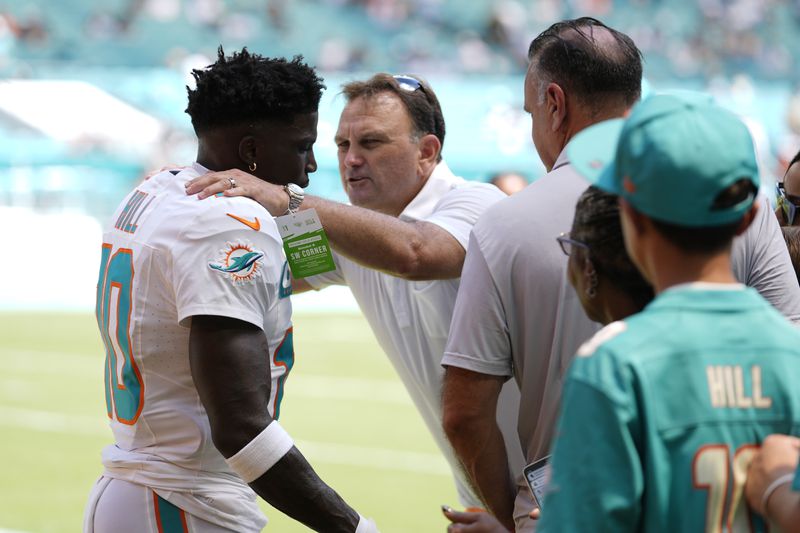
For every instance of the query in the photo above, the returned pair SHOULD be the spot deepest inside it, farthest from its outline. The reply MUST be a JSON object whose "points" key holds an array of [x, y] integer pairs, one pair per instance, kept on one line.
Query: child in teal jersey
{"points": [[662, 412]]}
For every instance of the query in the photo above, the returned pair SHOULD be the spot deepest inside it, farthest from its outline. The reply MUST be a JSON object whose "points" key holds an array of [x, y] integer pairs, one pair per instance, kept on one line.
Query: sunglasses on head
{"points": [[786, 205], [408, 83]]}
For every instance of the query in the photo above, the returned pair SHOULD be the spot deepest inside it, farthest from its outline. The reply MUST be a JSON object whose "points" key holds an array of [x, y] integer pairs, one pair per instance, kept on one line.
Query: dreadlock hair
{"points": [[246, 88], [567, 53], [597, 224]]}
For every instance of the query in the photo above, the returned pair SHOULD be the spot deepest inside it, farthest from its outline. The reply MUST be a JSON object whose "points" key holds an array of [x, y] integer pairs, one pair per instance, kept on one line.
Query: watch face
{"points": [[295, 188], [296, 195]]}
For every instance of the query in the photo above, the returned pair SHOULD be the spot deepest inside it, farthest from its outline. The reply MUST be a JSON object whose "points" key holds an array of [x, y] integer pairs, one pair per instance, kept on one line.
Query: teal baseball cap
{"points": [[671, 158]]}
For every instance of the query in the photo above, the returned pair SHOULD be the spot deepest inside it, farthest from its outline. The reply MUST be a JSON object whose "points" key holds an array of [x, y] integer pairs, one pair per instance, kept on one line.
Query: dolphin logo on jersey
{"points": [[239, 261]]}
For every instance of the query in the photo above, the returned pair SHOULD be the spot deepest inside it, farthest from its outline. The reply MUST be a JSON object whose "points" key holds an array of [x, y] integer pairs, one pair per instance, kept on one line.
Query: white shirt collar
{"points": [[561, 160], [439, 182], [200, 169]]}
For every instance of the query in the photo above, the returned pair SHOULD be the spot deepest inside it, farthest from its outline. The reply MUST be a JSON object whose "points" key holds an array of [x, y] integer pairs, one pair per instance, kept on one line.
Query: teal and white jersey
{"points": [[167, 257], [662, 412]]}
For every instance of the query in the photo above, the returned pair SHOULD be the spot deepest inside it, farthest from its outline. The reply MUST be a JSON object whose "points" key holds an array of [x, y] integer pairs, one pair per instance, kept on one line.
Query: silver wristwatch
{"points": [[296, 195]]}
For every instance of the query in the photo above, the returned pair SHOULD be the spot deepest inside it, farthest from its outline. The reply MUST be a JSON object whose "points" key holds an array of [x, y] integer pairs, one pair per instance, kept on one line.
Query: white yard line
{"points": [[323, 452]]}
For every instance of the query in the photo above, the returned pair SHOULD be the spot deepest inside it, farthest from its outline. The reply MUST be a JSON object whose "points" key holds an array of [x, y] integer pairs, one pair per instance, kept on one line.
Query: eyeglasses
{"points": [[788, 205], [568, 244], [408, 83]]}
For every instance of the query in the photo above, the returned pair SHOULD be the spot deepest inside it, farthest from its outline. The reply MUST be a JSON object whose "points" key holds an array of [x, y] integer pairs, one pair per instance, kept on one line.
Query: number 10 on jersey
{"points": [[124, 387]]}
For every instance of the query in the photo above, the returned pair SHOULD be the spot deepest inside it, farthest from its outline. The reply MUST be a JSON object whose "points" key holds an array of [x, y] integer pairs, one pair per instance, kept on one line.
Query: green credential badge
{"points": [[305, 244]]}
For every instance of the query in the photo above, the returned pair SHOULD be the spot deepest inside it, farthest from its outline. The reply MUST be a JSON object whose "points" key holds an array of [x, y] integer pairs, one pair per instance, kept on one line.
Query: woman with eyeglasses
{"points": [[606, 281], [788, 194]]}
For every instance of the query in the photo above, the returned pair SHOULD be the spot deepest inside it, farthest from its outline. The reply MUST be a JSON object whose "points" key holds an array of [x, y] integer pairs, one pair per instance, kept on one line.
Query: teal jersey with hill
{"points": [[662, 412]]}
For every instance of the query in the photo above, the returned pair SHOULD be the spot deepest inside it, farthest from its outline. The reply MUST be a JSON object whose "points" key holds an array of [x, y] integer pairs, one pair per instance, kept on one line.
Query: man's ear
{"points": [[556, 102], [247, 150], [429, 149], [748, 218]]}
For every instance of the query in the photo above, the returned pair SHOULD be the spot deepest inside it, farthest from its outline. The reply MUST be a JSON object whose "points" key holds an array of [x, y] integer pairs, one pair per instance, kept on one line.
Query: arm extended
{"points": [[413, 250]]}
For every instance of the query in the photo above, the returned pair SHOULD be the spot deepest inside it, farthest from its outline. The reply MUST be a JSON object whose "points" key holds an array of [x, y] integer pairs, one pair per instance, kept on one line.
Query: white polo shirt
{"points": [[411, 319]]}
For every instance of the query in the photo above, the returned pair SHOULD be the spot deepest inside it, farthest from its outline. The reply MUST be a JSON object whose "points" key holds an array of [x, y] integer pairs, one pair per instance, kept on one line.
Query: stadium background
{"points": [[92, 97]]}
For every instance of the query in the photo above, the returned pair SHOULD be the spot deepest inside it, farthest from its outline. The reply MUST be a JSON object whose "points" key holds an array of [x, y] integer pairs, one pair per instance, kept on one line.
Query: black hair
{"points": [[709, 239], [568, 54], [421, 104], [246, 88], [597, 225], [791, 234]]}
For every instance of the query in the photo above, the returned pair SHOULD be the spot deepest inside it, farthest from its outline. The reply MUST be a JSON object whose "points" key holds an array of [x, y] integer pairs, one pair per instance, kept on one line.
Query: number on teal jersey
{"points": [[123, 381], [712, 467]]}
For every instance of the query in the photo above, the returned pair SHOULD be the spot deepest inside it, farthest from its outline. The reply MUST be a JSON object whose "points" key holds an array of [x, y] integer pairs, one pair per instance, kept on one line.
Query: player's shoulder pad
{"points": [[228, 208], [224, 214], [613, 329]]}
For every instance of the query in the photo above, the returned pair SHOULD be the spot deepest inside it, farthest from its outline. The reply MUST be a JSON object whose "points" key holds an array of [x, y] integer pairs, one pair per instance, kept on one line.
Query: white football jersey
{"points": [[167, 257]]}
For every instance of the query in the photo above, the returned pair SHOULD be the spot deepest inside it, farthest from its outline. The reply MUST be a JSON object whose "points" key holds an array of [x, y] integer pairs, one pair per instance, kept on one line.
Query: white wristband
{"points": [[366, 525], [783, 480], [261, 453]]}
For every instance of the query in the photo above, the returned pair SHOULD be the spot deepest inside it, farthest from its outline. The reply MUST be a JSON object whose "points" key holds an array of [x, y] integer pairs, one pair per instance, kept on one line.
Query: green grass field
{"points": [[344, 406]]}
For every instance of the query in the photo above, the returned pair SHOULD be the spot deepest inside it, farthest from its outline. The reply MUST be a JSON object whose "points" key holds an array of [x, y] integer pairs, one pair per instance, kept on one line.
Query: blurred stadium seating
{"points": [[79, 146], [686, 39], [681, 38]]}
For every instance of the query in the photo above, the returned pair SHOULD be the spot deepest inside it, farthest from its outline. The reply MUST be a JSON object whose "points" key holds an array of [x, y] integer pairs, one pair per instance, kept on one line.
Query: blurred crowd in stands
{"points": [[725, 46], [680, 38]]}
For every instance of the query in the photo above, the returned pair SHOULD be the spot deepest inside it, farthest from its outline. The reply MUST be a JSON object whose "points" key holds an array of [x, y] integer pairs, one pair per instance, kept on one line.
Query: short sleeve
{"points": [[478, 338], [460, 208], [334, 277], [604, 479], [761, 260], [222, 267]]}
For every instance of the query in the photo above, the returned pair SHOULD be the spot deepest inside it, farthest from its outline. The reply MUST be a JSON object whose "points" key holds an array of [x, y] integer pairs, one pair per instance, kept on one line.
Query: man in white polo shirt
{"points": [[401, 245]]}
